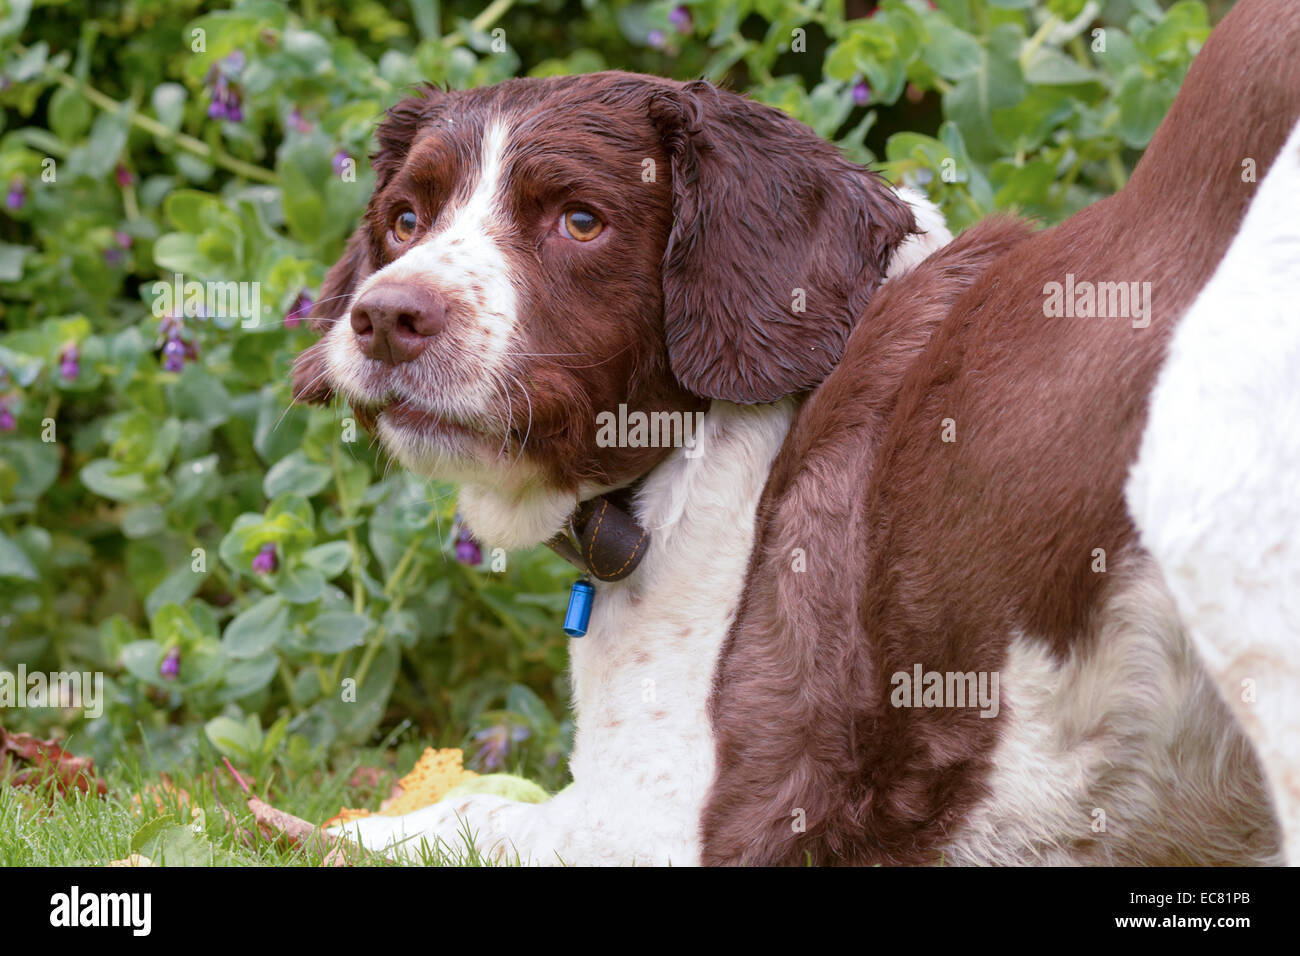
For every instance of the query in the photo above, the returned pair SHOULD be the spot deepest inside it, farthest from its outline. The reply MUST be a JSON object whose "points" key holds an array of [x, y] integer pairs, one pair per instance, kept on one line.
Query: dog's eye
{"points": [[404, 226], [581, 224]]}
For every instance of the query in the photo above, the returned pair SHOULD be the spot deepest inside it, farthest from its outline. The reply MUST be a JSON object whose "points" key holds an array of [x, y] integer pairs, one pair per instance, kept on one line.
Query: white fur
{"points": [[917, 247], [1215, 492], [464, 381], [643, 754], [1116, 755]]}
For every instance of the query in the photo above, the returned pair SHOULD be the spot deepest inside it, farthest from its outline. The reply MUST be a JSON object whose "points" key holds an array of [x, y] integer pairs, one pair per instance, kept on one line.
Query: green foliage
{"points": [[233, 562]]}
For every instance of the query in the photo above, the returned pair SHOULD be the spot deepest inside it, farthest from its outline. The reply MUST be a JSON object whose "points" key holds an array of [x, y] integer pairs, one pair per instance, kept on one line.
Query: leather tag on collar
{"points": [[610, 543], [609, 539]]}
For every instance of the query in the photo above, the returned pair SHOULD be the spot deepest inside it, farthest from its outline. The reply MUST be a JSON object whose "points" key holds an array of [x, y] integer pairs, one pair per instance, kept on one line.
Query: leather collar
{"points": [[607, 542]]}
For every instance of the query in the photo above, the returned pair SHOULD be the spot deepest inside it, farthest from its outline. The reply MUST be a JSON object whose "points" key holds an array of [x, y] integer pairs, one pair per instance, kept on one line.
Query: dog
{"points": [[907, 485]]}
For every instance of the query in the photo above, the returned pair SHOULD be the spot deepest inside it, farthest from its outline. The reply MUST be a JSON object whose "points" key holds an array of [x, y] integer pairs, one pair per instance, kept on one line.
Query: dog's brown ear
{"points": [[777, 244], [310, 384]]}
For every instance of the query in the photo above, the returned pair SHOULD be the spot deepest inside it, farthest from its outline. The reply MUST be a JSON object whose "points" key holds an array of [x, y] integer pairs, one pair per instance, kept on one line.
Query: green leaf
{"points": [[22, 368], [190, 210], [11, 261], [1051, 67], [168, 101], [109, 479], [177, 588], [257, 629], [950, 52], [100, 154], [245, 677], [523, 700], [1142, 105], [142, 660], [36, 464], [336, 631], [176, 845], [200, 396], [14, 562], [144, 520], [304, 168], [179, 252], [70, 114], [300, 585], [1022, 187], [295, 472], [13, 17], [997, 84], [235, 738], [330, 559]]}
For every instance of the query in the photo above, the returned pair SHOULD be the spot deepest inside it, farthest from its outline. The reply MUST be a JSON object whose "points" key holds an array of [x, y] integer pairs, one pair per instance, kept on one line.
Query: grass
{"points": [[40, 827]]}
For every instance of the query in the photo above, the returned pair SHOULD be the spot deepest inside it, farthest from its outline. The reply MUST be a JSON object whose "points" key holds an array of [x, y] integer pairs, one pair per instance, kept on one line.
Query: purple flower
{"points": [[467, 547], [301, 309], [124, 176], [16, 198], [171, 325], [174, 355], [171, 664], [7, 420], [227, 99], [655, 39], [493, 745], [226, 104], [115, 257], [681, 19], [298, 122], [70, 362], [265, 561], [341, 161], [861, 93]]}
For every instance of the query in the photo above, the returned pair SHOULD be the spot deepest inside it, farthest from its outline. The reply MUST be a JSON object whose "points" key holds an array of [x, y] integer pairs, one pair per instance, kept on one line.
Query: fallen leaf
{"points": [[26, 760], [434, 774], [277, 824]]}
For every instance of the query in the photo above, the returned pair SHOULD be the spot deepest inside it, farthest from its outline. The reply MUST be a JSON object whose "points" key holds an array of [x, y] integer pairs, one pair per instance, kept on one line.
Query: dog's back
{"points": [[990, 536]]}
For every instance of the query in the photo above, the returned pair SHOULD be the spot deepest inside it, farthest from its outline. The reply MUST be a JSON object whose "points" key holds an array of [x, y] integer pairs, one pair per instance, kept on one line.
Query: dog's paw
{"points": [[456, 830]]}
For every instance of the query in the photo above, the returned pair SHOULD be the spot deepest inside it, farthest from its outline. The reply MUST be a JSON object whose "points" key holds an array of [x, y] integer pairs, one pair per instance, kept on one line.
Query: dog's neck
{"points": [[641, 676]]}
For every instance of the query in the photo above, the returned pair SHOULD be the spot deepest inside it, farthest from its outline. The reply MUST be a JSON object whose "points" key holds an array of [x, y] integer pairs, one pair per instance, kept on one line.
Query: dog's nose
{"points": [[395, 323]]}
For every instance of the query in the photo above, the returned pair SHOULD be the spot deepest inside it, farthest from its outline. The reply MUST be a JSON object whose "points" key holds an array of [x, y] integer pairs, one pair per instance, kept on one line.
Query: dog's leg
{"points": [[496, 829], [1215, 491], [599, 823]]}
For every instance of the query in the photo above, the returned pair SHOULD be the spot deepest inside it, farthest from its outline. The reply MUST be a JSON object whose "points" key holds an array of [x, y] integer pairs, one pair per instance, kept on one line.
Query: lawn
{"points": [[199, 816]]}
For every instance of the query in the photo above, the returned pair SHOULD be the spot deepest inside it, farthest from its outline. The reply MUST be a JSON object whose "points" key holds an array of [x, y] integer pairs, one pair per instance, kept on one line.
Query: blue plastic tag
{"points": [[579, 612]]}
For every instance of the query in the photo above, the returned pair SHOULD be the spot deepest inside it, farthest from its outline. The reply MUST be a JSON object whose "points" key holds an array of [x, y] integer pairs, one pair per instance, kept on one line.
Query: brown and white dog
{"points": [[893, 609]]}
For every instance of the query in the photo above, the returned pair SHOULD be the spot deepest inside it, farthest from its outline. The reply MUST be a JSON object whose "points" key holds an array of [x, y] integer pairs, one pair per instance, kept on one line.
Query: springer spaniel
{"points": [[887, 606]]}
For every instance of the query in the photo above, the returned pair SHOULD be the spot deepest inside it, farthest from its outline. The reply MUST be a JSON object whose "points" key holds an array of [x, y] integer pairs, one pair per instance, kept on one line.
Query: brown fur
{"points": [[926, 551]]}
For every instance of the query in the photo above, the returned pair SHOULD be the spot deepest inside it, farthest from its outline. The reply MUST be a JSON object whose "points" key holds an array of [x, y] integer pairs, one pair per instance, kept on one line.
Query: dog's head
{"points": [[545, 250]]}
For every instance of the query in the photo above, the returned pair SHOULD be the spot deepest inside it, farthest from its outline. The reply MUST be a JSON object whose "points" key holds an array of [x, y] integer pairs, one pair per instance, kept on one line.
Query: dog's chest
{"points": [[643, 674]]}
